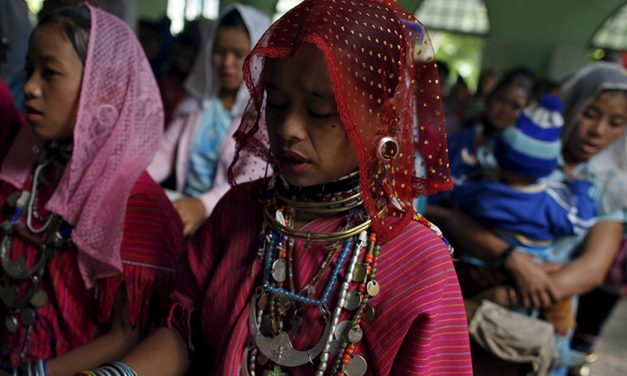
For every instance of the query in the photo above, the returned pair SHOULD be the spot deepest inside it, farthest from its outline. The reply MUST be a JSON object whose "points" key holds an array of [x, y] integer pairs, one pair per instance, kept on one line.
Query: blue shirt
{"points": [[529, 218]]}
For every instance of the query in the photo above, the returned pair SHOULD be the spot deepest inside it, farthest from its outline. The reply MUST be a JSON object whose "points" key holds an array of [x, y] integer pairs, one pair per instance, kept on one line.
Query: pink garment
{"points": [[202, 86], [419, 327], [119, 124], [173, 155]]}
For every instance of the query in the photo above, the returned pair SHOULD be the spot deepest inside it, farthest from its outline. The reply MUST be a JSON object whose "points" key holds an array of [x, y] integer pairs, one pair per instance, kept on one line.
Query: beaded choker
{"points": [[341, 188]]}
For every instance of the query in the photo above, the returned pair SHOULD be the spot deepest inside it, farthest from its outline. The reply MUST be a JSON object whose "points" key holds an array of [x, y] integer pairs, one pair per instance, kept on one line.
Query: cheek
{"points": [[613, 134], [216, 61]]}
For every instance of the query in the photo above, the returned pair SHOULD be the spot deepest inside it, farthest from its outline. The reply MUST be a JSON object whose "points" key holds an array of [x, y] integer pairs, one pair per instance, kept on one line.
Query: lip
{"points": [[32, 114], [228, 76], [589, 148], [291, 162]]}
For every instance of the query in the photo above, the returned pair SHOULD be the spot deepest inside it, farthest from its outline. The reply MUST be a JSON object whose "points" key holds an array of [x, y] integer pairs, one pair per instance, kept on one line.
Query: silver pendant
{"points": [[10, 297], [39, 298], [373, 288], [355, 334], [28, 316], [279, 349], [369, 312], [279, 270], [11, 323], [15, 269], [353, 300], [341, 329], [356, 367]]}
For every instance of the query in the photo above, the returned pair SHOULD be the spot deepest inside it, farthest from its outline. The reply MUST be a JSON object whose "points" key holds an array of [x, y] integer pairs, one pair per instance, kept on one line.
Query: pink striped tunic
{"points": [[419, 328], [74, 315]]}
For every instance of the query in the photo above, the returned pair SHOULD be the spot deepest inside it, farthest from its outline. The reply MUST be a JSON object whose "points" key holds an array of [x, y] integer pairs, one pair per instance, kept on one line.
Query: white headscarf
{"points": [[577, 93], [201, 83]]}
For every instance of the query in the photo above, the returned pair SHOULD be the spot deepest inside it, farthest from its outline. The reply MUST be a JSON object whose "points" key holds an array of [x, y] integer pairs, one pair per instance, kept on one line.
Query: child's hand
{"points": [[192, 212]]}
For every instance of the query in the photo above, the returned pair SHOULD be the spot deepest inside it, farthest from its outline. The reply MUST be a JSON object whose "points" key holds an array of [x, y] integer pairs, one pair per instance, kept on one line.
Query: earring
{"points": [[388, 149]]}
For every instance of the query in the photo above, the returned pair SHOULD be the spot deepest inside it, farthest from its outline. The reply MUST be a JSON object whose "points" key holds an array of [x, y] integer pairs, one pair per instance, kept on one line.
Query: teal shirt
{"points": [[211, 131]]}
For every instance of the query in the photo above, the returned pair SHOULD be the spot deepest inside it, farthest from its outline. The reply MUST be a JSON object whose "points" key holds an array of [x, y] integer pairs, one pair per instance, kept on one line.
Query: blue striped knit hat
{"points": [[531, 147]]}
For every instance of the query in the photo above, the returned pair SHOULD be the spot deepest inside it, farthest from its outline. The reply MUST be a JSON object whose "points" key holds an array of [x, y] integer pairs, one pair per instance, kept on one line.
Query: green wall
{"points": [[529, 32], [152, 9]]}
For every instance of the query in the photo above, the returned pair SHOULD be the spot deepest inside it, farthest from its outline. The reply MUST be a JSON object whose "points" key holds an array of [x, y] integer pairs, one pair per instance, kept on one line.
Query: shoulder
{"points": [[245, 195], [146, 192], [422, 240], [238, 208]]}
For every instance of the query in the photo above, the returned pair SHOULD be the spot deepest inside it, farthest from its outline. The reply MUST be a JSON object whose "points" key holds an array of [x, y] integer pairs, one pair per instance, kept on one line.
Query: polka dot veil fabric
{"points": [[384, 77]]}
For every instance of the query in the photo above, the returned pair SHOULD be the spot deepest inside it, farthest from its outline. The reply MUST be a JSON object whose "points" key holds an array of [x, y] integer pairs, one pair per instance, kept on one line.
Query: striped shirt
{"points": [[74, 315], [419, 327]]}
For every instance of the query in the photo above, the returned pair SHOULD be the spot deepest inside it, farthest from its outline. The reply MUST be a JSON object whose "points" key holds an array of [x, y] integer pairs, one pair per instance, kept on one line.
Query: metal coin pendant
{"points": [[357, 366], [279, 270], [373, 288], [15, 269], [353, 300], [341, 329], [359, 274], [11, 323], [10, 297], [355, 334], [368, 313], [39, 298], [28, 316]]}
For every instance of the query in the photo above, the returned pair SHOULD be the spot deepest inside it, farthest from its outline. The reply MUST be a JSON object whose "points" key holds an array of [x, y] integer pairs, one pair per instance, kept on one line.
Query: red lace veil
{"points": [[381, 66]]}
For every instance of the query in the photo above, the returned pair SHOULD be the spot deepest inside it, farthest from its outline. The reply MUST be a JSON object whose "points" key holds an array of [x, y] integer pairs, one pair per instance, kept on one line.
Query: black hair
{"points": [[233, 20], [76, 24], [512, 80]]}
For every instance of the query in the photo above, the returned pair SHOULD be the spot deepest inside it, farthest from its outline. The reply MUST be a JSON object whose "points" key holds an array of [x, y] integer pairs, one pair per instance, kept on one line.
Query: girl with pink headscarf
{"points": [[88, 238]]}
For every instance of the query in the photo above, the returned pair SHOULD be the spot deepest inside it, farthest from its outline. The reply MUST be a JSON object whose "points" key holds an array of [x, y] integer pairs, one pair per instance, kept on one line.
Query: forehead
{"points": [[306, 70], [49, 41], [612, 98], [232, 37]]}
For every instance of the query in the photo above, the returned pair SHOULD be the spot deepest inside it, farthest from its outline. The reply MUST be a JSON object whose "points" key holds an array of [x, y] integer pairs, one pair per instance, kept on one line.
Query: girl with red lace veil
{"points": [[88, 240], [324, 268]]}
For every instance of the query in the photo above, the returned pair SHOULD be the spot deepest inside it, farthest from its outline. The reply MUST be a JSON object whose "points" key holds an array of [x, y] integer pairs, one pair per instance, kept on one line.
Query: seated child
{"points": [[523, 210]]}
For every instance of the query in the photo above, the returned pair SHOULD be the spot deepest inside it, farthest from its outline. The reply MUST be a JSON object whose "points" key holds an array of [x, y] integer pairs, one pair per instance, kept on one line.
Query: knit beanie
{"points": [[531, 147]]}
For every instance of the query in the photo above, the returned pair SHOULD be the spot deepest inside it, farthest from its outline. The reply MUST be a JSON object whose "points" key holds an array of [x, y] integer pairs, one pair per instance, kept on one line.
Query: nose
{"points": [[291, 126], [599, 127], [230, 60], [31, 87]]}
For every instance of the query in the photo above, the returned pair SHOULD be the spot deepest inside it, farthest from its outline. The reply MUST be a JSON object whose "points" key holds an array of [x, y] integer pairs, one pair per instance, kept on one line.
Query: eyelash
{"points": [[320, 116]]}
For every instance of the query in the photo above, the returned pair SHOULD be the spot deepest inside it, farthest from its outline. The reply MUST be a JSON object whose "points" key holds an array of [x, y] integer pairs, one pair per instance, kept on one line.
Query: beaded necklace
{"points": [[277, 297]]}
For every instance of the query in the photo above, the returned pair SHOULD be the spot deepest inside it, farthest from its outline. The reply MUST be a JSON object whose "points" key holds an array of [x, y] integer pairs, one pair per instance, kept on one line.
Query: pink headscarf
{"points": [[118, 128]]}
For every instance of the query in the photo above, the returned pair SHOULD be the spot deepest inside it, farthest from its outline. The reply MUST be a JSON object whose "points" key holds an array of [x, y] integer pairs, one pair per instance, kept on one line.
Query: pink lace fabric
{"points": [[119, 125], [381, 64]]}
